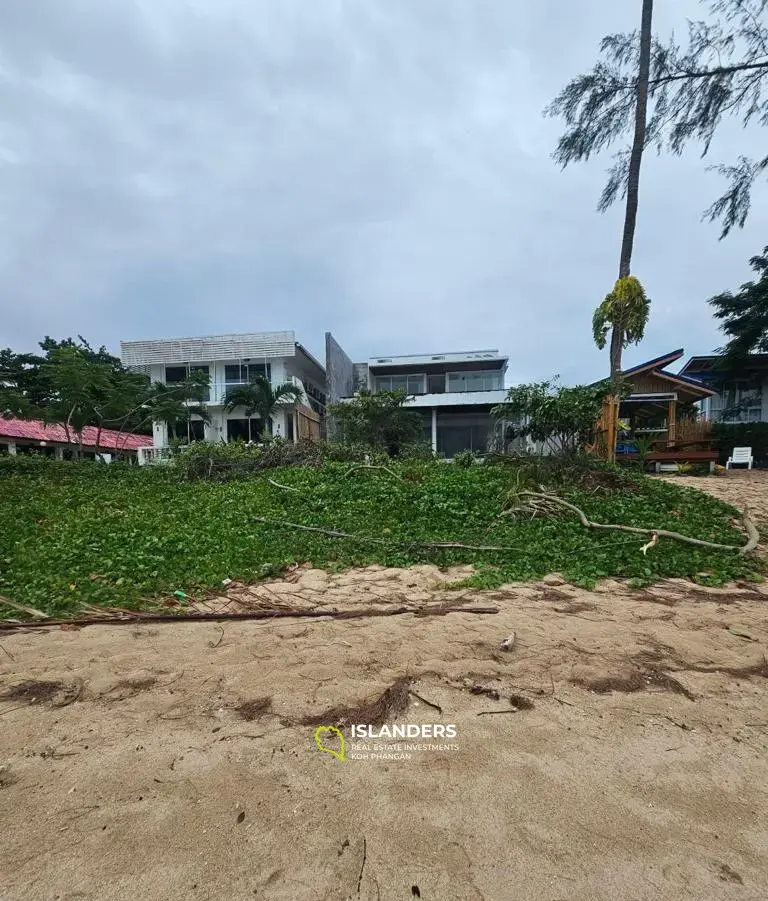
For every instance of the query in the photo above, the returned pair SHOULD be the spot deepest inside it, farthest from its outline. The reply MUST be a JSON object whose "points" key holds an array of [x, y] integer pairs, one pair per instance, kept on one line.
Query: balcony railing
{"points": [[217, 389], [151, 455]]}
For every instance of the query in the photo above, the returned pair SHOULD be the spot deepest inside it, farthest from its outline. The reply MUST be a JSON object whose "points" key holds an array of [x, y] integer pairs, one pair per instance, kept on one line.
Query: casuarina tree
{"points": [[721, 72]]}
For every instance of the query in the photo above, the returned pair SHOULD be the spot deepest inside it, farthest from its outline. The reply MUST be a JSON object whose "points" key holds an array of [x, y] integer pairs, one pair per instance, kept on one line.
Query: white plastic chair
{"points": [[740, 455]]}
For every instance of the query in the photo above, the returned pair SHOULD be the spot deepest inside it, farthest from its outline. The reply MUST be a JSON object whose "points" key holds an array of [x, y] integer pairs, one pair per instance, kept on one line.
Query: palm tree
{"points": [[618, 336], [259, 396], [170, 404]]}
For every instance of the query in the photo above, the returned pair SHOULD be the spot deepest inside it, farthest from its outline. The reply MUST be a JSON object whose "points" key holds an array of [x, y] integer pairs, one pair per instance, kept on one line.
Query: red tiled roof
{"points": [[37, 430]]}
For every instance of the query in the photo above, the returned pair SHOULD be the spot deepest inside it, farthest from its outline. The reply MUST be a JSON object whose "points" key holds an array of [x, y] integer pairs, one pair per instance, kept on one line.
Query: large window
{"points": [[411, 384], [738, 402], [192, 430], [475, 381], [244, 429], [242, 373], [457, 432], [175, 375]]}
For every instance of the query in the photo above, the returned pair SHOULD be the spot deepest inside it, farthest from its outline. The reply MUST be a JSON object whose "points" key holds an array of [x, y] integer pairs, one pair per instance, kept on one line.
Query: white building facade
{"points": [[228, 361], [455, 392]]}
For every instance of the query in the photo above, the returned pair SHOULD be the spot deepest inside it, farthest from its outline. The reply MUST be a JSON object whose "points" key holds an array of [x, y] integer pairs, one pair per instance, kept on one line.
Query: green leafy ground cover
{"points": [[120, 535]]}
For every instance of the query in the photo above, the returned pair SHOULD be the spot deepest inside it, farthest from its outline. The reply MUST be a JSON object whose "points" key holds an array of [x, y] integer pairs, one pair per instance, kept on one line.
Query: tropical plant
{"points": [[175, 405], [721, 73], [259, 396], [77, 384], [562, 417], [625, 312], [726, 436], [644, 447], [101, 390], [380, 421], [465, 458], [744, 316]]}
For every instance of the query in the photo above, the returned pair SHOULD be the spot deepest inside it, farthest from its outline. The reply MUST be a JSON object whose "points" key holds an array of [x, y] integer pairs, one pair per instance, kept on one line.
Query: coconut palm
{"points": [[259, 396], [170, 404]]}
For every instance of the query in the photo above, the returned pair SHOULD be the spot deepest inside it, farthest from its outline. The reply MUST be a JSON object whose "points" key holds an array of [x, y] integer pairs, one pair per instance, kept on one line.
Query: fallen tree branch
{"points": [[284, 487], [147, 616], [753, 536], [23, 608], [335, 533]]}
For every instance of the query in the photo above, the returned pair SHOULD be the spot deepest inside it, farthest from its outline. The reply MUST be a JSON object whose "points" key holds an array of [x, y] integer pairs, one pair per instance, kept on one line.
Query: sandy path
{"points": [[152, 786], [740, 487]]}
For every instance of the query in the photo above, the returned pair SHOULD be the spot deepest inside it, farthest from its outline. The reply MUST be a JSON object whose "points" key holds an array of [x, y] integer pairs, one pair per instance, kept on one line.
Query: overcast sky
{"points": [[377, 168]]}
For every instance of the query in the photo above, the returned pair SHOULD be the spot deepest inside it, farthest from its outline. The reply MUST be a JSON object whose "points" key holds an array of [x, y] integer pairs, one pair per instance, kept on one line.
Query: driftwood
{"points": [[753, 536], [146, 616], [429, 545]]}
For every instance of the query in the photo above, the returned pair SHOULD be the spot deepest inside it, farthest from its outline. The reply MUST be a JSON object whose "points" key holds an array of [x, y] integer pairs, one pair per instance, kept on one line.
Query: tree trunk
{"points": [[630, 214], [633, 179], [249, 430]]}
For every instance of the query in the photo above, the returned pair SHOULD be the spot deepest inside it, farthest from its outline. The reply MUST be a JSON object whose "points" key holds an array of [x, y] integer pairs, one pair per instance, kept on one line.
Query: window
{"points": [[411, 384], [475, 381], [175, 375], [243, 429], [315, 394], [242, 373], [192, 430], [739, 401], [457, 432]]}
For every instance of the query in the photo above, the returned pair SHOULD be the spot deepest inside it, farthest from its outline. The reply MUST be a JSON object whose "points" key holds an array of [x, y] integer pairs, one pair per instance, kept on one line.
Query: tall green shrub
{"points": [[726, 436]]}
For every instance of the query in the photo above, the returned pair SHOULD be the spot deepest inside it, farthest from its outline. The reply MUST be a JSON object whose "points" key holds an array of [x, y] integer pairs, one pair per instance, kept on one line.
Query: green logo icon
{"points": [[321, 731]]}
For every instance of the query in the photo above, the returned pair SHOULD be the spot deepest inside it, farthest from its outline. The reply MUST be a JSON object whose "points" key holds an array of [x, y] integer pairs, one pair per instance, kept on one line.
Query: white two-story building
{"points": [[228, 361], [455, 392]]}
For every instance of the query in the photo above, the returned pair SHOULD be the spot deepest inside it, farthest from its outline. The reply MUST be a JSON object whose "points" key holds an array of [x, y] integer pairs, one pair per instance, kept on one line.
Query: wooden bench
{"points": [[676, 456]]}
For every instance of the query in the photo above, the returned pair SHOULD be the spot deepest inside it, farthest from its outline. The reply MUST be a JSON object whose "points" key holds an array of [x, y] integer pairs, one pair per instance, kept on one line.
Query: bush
{"points": [[222, 462], [120, 534], [379, 420], [465, 458], [726, 436], [558, 473], [562, 417]]}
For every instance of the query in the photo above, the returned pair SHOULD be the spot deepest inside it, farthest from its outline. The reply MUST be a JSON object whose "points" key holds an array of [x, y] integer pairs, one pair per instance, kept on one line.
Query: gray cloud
{"points": [[376, 167]]}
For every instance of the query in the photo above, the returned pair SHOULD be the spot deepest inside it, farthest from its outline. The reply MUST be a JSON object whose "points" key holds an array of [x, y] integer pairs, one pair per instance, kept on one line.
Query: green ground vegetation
{"points": [[75, 533]]}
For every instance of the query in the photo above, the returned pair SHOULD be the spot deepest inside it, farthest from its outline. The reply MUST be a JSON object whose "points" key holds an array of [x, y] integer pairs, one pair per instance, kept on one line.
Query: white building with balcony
{"points": [[228, 361], [455, 392]]}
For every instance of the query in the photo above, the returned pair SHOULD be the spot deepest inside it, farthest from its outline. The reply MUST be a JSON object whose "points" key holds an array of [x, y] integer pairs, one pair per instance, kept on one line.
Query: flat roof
{"points": [[207, 348], [460, 356]]}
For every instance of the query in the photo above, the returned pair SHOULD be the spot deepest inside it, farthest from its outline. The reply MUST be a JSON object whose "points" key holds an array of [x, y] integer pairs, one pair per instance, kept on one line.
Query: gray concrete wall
{"points": [[339, 376], [339, 371], [361, 376]]}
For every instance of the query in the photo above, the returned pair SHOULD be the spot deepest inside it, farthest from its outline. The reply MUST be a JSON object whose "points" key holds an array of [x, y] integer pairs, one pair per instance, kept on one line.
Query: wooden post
{"points": [[611, 426], [672, 423]]}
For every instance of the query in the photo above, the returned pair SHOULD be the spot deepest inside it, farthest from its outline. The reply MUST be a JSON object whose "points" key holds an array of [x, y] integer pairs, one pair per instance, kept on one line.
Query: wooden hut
{"points": [[653, 410]]}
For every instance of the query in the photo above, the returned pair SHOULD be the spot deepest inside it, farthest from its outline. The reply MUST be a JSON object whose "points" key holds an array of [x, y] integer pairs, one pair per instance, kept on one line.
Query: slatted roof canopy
{"points": [[254, 346]]}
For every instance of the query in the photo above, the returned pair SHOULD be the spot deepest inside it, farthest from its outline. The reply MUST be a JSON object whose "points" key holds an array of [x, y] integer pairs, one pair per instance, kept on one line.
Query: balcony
{"points": [[458, 398], [441, 382]]}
